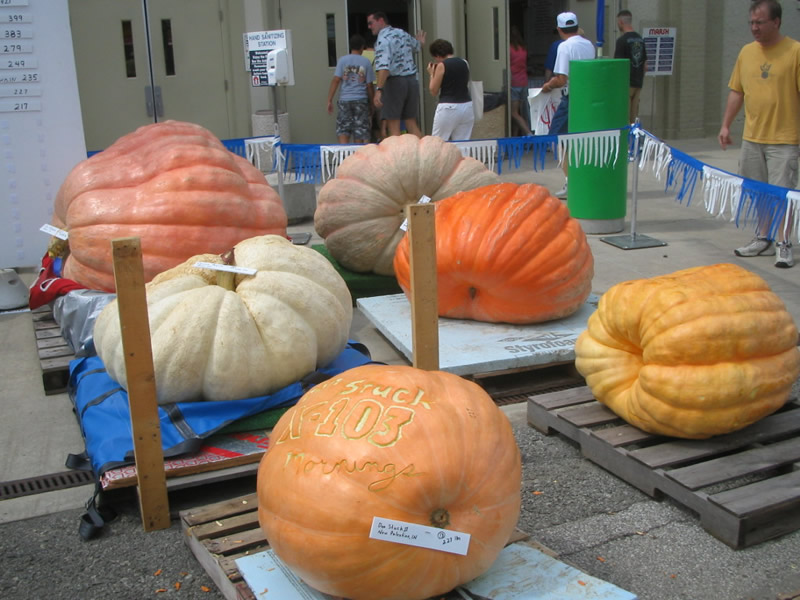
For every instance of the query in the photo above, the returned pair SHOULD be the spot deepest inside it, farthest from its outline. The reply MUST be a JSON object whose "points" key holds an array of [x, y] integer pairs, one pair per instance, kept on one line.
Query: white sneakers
{"points": [[764, 247], [784, 258], [757, 247]]}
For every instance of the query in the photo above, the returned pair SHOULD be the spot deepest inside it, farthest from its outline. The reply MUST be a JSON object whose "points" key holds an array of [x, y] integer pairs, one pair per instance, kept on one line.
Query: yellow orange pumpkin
{"points": [[696, 353], [393, 442]]}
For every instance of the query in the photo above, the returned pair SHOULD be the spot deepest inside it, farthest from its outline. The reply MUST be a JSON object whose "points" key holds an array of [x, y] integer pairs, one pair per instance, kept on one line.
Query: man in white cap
{"points": [[574, 47]]}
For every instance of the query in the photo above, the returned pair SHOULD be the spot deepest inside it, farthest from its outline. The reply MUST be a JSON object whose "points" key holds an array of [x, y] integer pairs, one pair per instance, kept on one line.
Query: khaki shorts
{"points": [[775, 164]]}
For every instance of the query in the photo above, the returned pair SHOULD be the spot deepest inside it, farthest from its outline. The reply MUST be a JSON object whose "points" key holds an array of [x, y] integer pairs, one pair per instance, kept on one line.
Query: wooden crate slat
{"points": [[46, 326], [227, 526], [563, 398], [588, 414], [53, 332], [736, 465], [238, 542], [51, 343], [756, 497], [43, 313], [682, 451], [220, 510], [624, 435], [56, 352], [60, 363]]}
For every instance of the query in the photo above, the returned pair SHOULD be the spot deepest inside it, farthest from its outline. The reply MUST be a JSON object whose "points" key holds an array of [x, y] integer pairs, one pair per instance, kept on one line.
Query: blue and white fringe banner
{"points": [[725, 195]]}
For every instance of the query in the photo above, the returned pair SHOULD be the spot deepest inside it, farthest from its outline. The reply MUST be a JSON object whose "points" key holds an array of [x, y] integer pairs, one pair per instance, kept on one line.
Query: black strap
{"points": [[96, 516]]}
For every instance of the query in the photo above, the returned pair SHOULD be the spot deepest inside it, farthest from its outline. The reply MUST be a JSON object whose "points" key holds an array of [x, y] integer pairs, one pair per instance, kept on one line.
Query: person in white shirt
{"points": [[573, 47]]}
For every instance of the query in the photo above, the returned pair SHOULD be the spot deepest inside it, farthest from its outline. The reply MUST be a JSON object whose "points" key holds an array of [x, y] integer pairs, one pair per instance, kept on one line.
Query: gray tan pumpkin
{"points": [[360, 211]]}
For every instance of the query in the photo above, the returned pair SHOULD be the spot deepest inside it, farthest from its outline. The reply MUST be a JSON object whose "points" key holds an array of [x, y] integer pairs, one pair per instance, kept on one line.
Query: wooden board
{"points": [[744, 486], [222, 456], [54, 352]]}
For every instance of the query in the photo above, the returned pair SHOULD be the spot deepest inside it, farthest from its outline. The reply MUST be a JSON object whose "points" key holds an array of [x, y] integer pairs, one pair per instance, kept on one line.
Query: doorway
{"points": [[144, 61]]}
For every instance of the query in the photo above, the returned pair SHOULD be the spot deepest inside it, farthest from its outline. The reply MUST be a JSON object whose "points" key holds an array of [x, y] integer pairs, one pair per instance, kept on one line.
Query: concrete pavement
{"points": [[590, 518]]}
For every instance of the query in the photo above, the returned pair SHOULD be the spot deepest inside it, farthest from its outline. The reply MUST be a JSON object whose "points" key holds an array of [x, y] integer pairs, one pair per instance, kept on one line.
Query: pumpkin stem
{"points": [[226, 279], [440, 518], [472, 293]]}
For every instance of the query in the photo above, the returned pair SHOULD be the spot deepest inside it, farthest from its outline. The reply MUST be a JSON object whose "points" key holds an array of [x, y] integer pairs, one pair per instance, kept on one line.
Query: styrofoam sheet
{"points": [[470, 347], [519, 573]]}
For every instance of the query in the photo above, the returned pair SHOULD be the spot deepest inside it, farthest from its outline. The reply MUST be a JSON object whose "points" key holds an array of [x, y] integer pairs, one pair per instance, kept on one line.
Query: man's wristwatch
{"points": [[378, 89]]}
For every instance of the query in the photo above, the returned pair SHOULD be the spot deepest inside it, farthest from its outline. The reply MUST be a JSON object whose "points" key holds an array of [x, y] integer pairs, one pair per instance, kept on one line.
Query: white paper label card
{"points": [[422, 200], [54, 231], [422, 536], [229, 268]]}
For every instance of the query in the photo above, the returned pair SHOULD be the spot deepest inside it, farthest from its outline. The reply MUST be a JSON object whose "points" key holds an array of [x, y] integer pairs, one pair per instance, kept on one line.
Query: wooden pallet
{"points": [[745, 486], [219, 533], [54, 352]]}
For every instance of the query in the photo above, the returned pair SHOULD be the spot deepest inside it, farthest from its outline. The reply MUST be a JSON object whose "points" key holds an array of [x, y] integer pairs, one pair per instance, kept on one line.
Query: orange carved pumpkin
{"points": [[506, 253], [392, 442], [174, 186]]}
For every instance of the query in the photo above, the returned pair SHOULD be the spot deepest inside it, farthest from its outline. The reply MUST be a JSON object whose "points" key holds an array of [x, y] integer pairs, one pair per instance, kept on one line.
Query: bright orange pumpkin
{"points": [[506, 253], [173, 185], [696, 353], [425, 447]]}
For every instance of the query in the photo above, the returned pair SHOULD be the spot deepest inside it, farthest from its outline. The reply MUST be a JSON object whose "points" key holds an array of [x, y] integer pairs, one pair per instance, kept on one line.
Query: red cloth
{"points": [[49, 285]]}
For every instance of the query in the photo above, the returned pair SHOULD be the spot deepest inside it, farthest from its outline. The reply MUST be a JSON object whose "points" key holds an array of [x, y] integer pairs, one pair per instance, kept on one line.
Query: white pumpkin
{"points": [[360, 211], [215, 343]]}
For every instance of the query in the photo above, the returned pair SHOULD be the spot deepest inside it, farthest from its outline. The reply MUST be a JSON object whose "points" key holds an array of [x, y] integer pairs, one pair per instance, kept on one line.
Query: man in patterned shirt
{"points": [[397, 88]]}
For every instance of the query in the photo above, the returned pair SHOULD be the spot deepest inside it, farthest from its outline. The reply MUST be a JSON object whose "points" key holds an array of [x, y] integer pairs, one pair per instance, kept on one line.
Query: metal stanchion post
{"points": [[277, 131], [634, 241]]}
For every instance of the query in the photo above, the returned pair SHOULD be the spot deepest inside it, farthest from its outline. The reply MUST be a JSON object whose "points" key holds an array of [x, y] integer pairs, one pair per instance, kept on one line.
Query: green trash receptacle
{"points": [[598, 100]]}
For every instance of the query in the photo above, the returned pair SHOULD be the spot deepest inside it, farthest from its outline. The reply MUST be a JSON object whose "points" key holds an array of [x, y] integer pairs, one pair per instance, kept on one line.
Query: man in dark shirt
{"points": [[631, 46]]}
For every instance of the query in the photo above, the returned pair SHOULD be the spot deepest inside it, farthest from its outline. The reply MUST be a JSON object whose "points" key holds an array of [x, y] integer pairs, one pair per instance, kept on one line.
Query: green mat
{"points": [[263, 420], [362, 285]]}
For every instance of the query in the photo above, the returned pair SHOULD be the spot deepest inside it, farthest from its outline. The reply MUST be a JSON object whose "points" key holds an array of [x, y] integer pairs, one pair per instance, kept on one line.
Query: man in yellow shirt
{"points": [[766, 80]]}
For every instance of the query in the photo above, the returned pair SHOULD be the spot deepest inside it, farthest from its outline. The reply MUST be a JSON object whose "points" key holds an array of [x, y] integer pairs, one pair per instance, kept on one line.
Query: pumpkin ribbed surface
{"points": [[212, 342], [395, 442], [506, 253], [697, 353], [171, 184], [360, 211]]}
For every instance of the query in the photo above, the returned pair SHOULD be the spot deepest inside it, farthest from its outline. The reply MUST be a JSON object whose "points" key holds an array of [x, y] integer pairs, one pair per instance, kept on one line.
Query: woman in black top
{"points": [[449, 80]]}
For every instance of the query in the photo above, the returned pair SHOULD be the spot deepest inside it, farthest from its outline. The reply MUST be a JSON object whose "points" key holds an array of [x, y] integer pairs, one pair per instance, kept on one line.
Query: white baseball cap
{"points": [[566, 19]]}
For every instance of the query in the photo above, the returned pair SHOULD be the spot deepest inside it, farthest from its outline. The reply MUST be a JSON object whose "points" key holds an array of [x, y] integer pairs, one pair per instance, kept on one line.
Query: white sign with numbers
{"points": [[41, 130]]}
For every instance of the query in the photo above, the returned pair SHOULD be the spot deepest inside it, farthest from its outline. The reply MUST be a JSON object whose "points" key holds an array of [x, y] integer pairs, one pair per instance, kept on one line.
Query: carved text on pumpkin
{"points": [[350, 467], [366, 418]]}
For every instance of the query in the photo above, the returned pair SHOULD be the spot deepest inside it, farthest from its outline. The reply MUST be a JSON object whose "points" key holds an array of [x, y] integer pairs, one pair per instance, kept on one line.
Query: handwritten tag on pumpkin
{"points": [[422, 536], [422, 200], [229, 268], [54, 231]]}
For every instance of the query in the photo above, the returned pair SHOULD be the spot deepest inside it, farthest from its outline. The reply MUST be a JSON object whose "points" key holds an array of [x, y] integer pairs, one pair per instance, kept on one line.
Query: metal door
{"points": [[141, 61]]}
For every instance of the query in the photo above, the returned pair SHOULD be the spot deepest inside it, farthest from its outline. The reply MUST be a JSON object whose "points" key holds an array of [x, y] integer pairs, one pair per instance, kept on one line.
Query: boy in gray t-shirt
{"points": [[354, 72]]}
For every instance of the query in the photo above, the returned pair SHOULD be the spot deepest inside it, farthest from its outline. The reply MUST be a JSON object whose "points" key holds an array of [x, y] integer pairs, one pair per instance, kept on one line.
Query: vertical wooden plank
{"points": [[135, 326], [424, 294]]}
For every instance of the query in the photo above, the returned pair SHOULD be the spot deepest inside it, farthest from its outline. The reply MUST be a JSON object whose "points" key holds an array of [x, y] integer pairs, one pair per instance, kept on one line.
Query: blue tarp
{"points": [[103, 413]]}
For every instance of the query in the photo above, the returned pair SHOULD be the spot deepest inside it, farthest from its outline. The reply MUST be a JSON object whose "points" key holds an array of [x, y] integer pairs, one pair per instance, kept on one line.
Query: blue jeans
{"points": [[560, 122]]}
